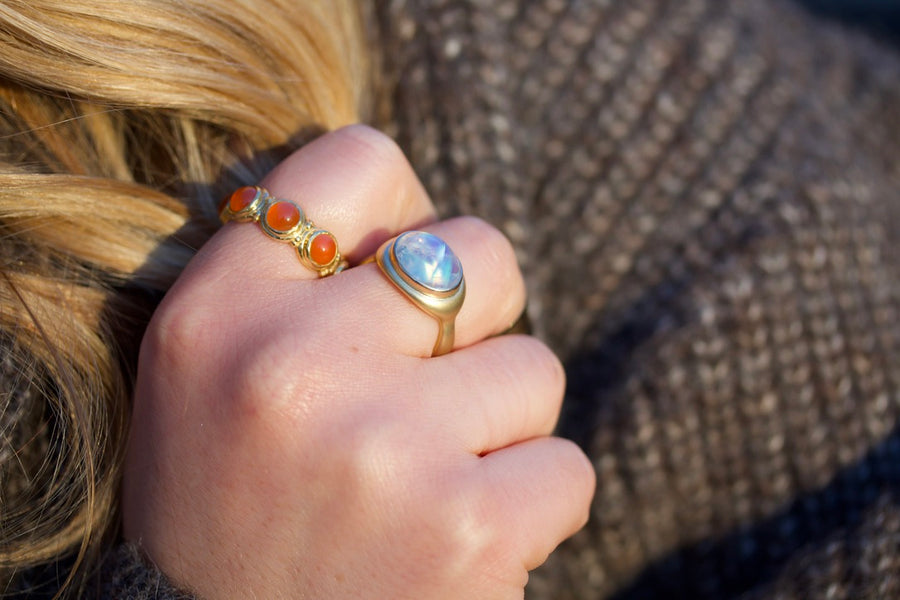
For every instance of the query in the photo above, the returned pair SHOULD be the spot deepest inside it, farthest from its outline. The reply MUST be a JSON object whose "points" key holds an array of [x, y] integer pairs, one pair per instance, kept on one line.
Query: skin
{"points": [[291, 437]]}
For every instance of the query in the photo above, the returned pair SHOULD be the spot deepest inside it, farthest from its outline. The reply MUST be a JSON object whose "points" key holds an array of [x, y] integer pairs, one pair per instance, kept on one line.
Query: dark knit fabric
{"points": [[705, 199], [705, 196], [880, 17], [860, 562], [124, 574]]}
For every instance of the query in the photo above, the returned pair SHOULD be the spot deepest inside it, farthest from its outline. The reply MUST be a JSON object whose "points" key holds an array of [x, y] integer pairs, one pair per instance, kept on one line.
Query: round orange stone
{"points": [[242, 198], [323, 249], [283, 216]]}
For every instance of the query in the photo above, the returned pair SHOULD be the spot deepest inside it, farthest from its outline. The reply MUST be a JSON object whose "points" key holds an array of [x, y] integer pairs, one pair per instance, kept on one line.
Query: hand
{"points": [[292, 439]]}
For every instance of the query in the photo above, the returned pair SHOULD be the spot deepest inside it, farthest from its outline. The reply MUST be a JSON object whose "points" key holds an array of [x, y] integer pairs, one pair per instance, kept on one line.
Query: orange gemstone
{"points": [[241, 198], [283, 216], [323, 249]]}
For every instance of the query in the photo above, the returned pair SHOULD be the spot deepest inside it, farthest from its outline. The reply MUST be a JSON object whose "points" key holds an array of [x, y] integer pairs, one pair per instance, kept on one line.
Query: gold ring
{"points": [[283, 220], [426, 270]]}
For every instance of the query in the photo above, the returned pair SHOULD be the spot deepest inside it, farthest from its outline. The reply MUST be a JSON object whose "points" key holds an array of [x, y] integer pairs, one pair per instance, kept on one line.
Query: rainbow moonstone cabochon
{"points": [[428, 260]]}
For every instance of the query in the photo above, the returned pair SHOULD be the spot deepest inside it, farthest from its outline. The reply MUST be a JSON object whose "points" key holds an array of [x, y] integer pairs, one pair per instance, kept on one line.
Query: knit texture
{"points": [[125, 575], [704, 197]]}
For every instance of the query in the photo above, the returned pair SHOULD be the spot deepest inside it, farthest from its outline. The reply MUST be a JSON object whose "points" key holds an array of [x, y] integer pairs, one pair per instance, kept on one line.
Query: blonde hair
{"points": [[122, 124]]}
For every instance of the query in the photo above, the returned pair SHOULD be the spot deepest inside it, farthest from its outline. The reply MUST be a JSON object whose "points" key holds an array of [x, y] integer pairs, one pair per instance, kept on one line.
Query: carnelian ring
{"points": [[285, 221]]}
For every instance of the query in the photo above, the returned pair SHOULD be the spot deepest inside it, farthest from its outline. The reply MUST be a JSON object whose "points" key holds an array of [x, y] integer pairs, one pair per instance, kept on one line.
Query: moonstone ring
{"points": [[426, 270]]}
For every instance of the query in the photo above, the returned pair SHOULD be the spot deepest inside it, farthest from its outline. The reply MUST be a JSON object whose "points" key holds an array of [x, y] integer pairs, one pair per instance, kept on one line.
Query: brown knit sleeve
{"points": [[861, 562]]}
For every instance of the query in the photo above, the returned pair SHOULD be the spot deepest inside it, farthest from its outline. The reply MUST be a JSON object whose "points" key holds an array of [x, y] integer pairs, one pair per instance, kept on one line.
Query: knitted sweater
{"points": [[704, 199], [705, 196]]}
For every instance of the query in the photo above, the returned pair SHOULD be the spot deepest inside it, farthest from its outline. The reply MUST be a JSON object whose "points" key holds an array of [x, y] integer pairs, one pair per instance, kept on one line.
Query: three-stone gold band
{"points": [[423, 267], [285, 221]]}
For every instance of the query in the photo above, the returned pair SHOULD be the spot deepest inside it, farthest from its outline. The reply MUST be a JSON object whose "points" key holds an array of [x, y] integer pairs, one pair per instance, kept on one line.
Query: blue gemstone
{"points": [[427, 260]]}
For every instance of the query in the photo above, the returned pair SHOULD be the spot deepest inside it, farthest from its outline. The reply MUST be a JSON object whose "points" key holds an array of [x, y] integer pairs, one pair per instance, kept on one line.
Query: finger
{"points": [[495, 294], [500, 392], [544, 490], [353, 182]]}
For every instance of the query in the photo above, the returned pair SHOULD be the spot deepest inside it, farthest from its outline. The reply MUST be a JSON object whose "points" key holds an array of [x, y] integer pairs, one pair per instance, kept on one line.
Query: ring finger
{"points": [[353, 182], [495, 293]]}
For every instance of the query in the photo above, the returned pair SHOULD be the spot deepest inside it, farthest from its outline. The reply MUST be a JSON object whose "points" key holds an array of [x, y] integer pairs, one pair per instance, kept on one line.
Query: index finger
{"points": [[354, 182]]}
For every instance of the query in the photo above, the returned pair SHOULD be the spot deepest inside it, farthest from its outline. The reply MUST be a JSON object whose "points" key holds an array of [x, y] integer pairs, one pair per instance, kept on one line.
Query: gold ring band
{"points": [[285, 221]]}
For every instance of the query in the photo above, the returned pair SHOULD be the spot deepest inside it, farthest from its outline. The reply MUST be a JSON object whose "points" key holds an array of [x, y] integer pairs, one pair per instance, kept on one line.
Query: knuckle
{"points": [[544, 362], [181, 331], [469, 524], [534, 368], [499, 252], [586, 473], [263, 380], [241, 365], [495, 258], [578, 476], [374, 459], [368, 147], [477, 534]]}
